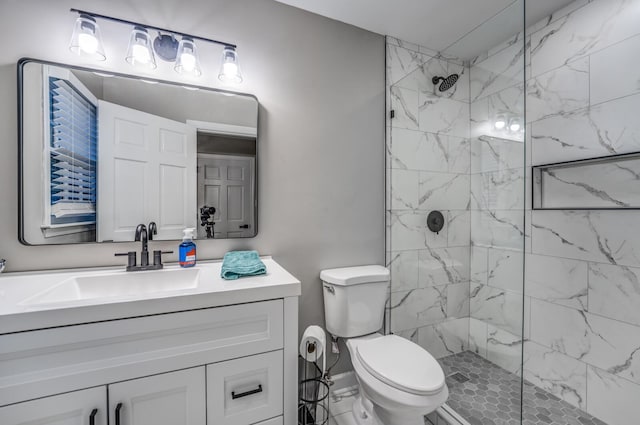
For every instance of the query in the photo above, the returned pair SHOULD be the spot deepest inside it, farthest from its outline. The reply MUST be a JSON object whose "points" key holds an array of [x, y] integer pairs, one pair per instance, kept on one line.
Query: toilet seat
{"points": [[401, 364]]}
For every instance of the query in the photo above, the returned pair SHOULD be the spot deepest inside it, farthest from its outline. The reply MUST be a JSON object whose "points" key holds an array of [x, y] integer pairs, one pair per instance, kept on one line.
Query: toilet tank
{"points": [[354, 299]]}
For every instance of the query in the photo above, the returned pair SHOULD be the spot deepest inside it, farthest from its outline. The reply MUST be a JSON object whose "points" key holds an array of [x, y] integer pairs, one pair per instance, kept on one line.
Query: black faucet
{"points": [[145, 235]]}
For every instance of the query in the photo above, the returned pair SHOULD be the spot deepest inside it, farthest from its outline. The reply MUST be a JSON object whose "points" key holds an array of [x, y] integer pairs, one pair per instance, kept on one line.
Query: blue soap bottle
{"points": [[187, 249]]}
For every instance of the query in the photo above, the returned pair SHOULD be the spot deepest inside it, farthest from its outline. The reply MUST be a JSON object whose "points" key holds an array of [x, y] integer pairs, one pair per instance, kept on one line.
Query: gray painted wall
{"points": [[321, 88]]}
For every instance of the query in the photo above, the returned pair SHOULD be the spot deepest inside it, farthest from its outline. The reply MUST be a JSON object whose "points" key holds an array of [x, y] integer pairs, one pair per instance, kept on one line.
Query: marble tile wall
{"points": [[581, 334], [428, 168]]}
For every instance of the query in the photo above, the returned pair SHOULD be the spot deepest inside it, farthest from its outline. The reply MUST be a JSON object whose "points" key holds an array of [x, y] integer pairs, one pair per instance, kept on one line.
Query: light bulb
{"points": [[230, 69], [141, 54], [499, 124], [514, 125], [188, 61], [88, 43], [86, 39]]}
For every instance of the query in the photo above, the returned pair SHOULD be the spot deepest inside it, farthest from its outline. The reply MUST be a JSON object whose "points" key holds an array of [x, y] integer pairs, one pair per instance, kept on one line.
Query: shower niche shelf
{"points": [[602, 183]]}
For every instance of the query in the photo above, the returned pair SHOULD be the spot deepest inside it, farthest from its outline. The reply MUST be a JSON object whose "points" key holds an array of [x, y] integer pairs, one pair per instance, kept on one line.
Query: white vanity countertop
{"points": [[208, 290]]}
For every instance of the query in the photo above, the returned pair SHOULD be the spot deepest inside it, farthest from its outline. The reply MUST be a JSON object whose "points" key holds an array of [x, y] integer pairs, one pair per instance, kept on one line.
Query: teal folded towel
{"points": [[241, 263]]}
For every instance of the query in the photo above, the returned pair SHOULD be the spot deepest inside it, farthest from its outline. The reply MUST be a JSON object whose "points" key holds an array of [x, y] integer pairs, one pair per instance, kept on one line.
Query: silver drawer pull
{"points": [[246, 393]]}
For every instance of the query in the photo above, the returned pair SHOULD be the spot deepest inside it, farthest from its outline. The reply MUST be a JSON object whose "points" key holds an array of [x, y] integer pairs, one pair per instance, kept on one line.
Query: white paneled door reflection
{"points": [[225, 182], [146, 173]]}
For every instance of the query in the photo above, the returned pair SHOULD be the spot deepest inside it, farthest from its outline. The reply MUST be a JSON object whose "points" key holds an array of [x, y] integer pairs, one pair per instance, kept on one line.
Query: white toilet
{"points": [[400, 382]]}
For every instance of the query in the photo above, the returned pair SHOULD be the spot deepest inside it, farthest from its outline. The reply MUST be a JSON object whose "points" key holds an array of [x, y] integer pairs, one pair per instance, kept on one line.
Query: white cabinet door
{"points": [[85, 407], [146, 172], [175, 398]]}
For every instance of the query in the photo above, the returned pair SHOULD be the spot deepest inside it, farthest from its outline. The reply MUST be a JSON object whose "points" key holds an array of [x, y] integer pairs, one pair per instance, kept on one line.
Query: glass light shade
{"points": [[86, 38], [230, 70], [187, 61], [139, 52], [515, 125], [500, 122]]}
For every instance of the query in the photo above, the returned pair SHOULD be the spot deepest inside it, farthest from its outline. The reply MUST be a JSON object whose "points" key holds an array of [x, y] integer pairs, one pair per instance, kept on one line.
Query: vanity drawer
{"points": [[40, 363], [246, 390]]}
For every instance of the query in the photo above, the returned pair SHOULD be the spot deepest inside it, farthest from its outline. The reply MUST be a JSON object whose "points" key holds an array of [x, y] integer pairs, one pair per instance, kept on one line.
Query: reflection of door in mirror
{"points": [[147, 172], [226, 178], [225, 182]]}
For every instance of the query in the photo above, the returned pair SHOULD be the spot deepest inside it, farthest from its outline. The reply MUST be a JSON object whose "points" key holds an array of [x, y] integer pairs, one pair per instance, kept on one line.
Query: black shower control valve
{"points": [[435, 221]]}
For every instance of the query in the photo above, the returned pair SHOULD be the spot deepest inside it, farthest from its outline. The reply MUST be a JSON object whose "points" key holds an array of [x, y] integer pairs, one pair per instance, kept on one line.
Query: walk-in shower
{"points": [[529, 295]]}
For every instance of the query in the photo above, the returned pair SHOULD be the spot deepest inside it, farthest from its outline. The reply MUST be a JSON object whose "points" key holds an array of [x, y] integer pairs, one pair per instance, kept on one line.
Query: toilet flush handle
{"points": [[330, 288]]}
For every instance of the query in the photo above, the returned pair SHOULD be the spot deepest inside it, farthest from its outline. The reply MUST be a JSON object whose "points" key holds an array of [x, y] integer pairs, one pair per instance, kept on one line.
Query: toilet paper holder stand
{"points": [[313, 391]]}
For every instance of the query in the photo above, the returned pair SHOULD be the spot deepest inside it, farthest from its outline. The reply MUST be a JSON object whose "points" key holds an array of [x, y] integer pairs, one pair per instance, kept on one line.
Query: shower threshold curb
{"points": [[447, 413]]}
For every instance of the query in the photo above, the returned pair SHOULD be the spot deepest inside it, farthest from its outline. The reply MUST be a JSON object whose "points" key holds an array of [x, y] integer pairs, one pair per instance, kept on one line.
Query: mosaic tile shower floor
{"points": [[491, 396]]}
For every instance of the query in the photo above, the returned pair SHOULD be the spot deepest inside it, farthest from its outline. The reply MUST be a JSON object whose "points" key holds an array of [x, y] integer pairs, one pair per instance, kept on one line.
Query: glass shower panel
{"points": [[456, 147]]}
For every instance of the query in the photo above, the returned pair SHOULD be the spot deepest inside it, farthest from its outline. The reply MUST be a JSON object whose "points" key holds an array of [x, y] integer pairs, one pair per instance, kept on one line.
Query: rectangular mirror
{"points": [[101, 153]]}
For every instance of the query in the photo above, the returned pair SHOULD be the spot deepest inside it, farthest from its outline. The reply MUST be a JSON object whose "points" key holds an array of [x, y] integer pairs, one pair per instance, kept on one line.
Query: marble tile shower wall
{"points": [[582, 279], [428, 168]]}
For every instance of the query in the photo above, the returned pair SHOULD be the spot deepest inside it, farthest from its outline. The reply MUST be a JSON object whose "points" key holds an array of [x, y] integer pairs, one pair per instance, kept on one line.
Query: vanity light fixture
{"points": [[500, 123], [506, 122], [230, 70], [514, 125], [139, 52], [86, 38], [187, 61], [143, 48]]}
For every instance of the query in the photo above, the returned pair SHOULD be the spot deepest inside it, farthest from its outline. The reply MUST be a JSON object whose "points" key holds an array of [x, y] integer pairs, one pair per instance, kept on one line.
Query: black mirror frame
{"points": [[20, 80]]}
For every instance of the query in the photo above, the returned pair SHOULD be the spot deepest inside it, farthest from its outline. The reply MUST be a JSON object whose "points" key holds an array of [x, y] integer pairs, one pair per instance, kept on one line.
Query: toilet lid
{"points": [[401, 364]]}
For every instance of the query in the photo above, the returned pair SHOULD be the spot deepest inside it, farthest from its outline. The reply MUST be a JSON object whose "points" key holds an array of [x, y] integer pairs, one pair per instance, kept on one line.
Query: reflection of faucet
{"points": [[3, 264], [143, 236], [152, 229]]}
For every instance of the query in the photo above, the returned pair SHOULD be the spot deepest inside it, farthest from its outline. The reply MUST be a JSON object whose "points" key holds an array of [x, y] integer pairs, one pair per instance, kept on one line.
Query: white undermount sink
{"points": [[116, 285]]}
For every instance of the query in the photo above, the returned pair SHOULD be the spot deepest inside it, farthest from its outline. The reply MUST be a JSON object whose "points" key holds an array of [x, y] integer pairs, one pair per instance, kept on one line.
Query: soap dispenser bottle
{"points": [[187, 249]]}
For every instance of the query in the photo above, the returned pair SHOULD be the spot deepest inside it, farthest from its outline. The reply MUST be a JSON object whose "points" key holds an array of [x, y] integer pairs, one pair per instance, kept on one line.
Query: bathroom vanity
{"points": [[98, 347]]}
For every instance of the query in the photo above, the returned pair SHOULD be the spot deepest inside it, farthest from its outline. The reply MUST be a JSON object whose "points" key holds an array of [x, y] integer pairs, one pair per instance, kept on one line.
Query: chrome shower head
{"points": [[445, 83]]}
